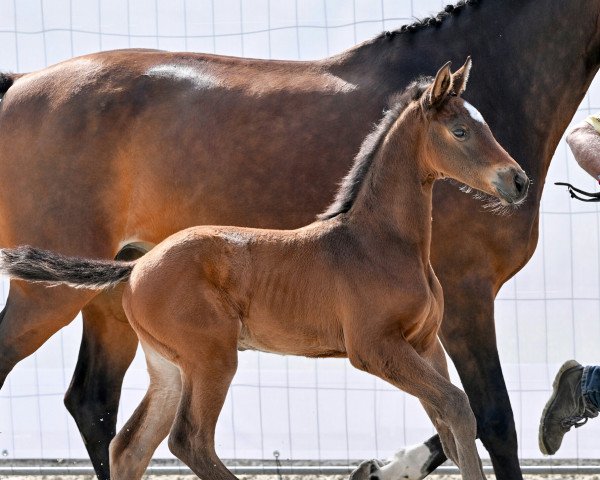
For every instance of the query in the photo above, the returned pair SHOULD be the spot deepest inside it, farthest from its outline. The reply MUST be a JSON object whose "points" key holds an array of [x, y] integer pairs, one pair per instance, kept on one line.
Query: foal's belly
{"points": [[288, 335], [310, 351]]}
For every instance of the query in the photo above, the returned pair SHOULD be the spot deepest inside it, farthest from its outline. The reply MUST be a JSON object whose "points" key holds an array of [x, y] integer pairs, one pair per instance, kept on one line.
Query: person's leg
{"points": [[567, 406], [590, 386]]}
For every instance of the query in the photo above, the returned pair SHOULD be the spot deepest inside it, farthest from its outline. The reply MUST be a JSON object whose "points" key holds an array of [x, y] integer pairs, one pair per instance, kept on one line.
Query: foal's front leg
{"points": [[437, 357], [393, 359]]}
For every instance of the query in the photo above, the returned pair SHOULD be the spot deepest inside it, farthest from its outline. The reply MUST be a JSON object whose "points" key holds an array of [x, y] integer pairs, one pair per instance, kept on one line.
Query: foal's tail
{"points": [[36, 265]]}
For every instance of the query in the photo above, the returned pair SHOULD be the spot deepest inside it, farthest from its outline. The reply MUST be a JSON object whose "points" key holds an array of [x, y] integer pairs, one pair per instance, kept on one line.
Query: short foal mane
{"points": [[352, 182], [431, 21]]}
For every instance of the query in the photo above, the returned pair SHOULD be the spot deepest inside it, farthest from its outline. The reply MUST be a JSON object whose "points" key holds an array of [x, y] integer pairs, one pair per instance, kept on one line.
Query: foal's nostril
{"points": [[511, 185], [521, 183]]}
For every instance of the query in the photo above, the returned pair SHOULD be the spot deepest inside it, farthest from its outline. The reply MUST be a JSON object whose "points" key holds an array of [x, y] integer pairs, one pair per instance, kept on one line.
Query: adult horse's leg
{"points": [[33, 313], [468, 334], [410, 463], [108, 346]]}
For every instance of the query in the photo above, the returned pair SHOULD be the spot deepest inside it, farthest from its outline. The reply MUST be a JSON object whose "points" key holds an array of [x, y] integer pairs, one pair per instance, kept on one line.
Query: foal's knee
{"points": [[459, 416]]}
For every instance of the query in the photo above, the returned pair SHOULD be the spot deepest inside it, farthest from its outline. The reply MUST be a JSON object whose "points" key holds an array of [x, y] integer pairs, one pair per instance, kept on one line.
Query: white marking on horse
{"points": [[184, 73], [235, 237], [475, 115], [338, 84], [407, 463]]}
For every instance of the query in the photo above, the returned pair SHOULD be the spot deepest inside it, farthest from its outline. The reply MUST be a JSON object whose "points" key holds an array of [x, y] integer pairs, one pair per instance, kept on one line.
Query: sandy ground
{"points": [[289, 477], [299, 477], [30, 463]]}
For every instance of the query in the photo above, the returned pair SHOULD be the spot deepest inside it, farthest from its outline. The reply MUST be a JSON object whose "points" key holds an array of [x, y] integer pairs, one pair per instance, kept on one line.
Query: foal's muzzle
{"points": [[512, 185]]}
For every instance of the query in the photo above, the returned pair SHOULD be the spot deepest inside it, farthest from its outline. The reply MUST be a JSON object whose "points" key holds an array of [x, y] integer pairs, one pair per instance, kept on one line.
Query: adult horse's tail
{"points": [[6, 81], [37, 265]]}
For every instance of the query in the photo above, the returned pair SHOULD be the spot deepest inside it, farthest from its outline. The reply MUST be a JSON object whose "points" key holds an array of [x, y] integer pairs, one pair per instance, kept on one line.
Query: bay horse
{"points": [[108, 154], [357, 283]]}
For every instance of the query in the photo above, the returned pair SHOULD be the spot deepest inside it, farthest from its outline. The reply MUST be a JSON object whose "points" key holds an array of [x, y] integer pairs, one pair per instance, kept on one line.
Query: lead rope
{"points": [[593, 197]]}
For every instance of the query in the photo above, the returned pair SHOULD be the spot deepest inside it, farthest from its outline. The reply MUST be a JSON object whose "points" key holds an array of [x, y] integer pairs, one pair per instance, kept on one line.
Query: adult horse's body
{"points": [[356, 283], [120, 148]]}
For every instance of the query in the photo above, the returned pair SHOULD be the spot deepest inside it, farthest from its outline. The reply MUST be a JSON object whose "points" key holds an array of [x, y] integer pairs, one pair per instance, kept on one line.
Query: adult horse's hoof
{"points": [[368, 470], [411, 463]]}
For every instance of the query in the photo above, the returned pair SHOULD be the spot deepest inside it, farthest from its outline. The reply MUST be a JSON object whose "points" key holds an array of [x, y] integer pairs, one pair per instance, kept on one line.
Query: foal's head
{"points": [[459, 143]]}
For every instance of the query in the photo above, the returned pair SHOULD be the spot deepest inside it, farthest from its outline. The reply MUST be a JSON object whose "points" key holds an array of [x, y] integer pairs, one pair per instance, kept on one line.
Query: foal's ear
{"points": [[440, 88], [461, 77]]}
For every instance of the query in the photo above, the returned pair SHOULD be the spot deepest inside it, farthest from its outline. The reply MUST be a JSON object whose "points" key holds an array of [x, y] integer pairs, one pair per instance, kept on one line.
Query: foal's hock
{"points": [[356, 283]]}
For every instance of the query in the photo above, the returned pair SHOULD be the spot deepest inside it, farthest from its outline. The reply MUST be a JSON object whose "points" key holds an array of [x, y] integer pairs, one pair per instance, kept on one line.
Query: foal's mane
{"points": [[431, 21], [352, 182]]}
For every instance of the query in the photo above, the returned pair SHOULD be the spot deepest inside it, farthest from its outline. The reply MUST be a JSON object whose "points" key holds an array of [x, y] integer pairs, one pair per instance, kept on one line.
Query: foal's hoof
{"points": [[368, 470]]}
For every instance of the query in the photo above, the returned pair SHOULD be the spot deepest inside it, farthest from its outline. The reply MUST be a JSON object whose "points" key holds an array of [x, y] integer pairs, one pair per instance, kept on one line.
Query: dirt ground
{"points": [[76, 463], [288, 477], [299, 477]]}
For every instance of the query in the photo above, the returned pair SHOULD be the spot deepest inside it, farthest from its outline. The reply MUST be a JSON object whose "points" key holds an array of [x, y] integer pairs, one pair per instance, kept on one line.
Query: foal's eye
{"points": [[459, 133]]}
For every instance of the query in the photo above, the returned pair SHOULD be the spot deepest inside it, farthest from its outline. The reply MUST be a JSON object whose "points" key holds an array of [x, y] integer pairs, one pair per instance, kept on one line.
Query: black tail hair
{"points": [[37, 265]]}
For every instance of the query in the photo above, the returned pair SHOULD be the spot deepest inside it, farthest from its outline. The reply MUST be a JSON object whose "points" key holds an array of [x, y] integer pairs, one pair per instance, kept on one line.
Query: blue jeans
{"points": [[590, 386]]}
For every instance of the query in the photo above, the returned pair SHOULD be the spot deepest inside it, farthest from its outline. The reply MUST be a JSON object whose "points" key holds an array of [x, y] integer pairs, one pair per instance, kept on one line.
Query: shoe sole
{"points": [[568, 365]]}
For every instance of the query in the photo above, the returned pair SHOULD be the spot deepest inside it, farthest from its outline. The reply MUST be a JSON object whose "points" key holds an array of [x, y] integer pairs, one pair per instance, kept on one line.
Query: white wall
{"points": [[307, 409]]}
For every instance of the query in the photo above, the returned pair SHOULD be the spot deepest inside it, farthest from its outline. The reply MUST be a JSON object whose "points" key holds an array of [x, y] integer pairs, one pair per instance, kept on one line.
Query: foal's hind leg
{"points": [[207, 373], [134, 445], [193, 433], [392, 358]]}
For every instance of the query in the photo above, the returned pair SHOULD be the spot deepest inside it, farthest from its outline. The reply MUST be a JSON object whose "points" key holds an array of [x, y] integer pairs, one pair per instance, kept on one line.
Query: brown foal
{"points": [[357, 282]]}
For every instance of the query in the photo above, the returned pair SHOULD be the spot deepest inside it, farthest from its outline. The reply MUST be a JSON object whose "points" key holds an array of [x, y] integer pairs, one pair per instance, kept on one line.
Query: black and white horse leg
{"points": [[107, 349], [412, 463], [108, 346]]}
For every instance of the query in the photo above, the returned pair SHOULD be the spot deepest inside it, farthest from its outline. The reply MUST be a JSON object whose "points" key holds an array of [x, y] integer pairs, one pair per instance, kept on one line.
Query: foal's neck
{"points": [[395, 200]]}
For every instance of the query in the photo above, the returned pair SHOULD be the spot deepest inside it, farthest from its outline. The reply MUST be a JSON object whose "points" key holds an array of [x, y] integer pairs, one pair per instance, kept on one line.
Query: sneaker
{"points": [[565, 409]]}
